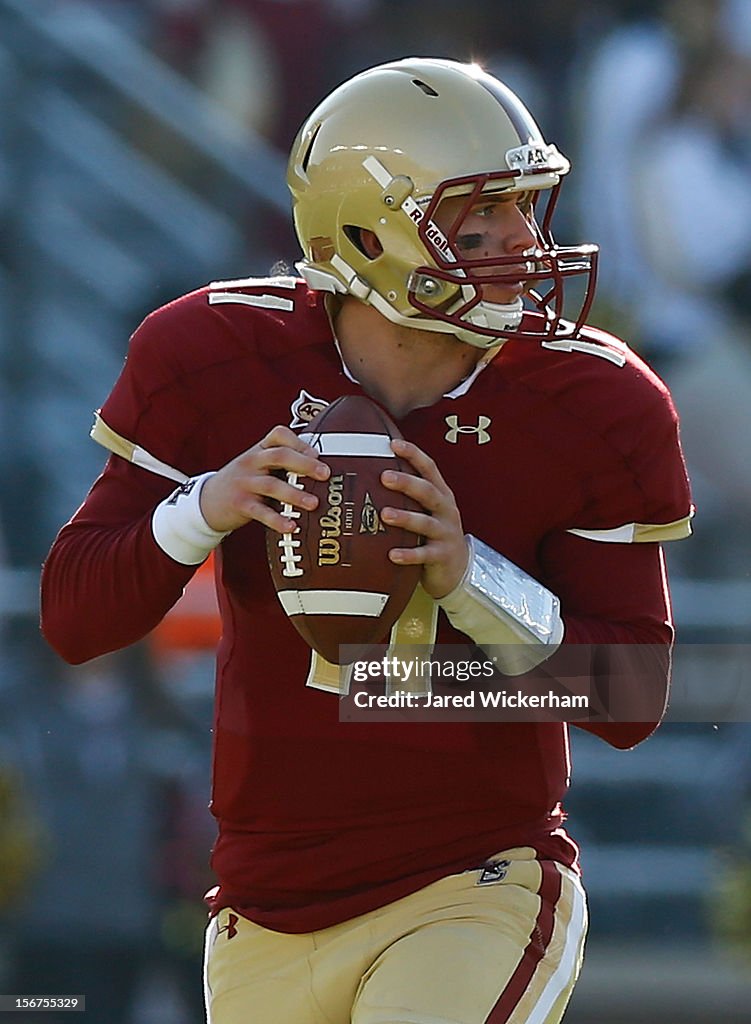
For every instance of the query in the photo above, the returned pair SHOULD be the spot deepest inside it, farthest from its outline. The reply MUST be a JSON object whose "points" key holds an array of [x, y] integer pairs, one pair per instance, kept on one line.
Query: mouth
{"points": [[505, 293], [517, 287]]}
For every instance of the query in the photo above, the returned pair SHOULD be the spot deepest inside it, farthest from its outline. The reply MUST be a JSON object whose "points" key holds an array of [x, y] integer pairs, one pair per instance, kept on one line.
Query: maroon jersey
{"points": [[561, 460]]}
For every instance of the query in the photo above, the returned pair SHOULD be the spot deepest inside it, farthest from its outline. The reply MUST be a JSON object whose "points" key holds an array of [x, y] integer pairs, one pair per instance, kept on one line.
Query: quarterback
{"points": [[392, 872]]}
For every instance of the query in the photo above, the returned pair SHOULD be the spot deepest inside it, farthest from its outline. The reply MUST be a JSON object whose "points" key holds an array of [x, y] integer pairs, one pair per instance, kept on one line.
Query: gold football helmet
{"points": [[381, 152]]}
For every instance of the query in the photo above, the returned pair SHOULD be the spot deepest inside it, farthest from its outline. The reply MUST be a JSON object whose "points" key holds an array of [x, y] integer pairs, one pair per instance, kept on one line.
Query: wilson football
{"points": [[333, 575]]}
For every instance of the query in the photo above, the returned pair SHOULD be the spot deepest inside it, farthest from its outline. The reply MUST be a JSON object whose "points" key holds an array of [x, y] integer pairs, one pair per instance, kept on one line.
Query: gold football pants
{"points": [[494, 946]]}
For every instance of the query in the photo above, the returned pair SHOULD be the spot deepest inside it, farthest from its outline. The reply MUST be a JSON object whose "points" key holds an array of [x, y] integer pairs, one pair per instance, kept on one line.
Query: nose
{"points": [[513, 233]]}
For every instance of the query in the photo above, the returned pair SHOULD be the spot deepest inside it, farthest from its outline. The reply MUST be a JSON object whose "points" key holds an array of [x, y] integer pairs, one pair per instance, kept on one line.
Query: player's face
{"points": [[496, 226]]}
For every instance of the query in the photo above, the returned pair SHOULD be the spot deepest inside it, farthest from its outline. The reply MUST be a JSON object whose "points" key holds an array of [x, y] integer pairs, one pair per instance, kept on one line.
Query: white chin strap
{"points": [[492, 316], [489, 315], [485, 314]]}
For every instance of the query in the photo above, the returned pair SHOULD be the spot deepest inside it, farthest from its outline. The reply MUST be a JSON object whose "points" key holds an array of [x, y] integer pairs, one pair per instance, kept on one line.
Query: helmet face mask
{"points": [[546, 262], [382, 153]]}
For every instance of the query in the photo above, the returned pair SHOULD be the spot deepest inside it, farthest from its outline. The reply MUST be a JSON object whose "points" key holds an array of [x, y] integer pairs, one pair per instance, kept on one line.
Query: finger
{"points": [[268, 516], [422, 554], [416, 487], [419, 460], [303, 463], [283, 491], [277, 512], [283, 437], [416, 522]]}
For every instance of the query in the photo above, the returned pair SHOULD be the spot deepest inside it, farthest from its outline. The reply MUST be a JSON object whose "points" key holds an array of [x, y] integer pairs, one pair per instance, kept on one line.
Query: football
{"points": [[333, 575]]}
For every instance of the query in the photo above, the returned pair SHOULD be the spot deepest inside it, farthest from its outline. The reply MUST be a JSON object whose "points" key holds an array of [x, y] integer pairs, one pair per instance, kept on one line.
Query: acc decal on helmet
{"points": [[381, 153]]}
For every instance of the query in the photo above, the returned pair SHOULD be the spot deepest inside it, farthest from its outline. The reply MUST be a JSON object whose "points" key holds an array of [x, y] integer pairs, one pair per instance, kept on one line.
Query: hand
{"points": [[444, 552], [239, 492]]}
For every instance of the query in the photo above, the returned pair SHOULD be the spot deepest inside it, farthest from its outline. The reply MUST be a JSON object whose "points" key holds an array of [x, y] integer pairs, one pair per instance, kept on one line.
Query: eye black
{"points": [[466, 242]]}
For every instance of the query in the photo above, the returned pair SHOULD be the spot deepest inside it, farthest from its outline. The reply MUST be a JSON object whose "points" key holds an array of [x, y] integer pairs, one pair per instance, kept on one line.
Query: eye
{"points": [[521, 199]]}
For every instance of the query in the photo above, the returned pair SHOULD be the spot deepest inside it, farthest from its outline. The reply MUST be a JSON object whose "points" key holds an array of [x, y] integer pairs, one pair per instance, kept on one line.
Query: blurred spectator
{"points": [[86, 927], [21, 853], [712, 389], [730, 904], [21, 837], [693, 201], [254, 56], [692, 208], [99, 763], [664, 107], [264, 62]]}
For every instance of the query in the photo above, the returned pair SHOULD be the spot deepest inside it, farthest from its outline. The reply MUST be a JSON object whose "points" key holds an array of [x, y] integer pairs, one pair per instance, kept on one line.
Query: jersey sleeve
{"points": [[607, 566], [615, 598], [106, 583], [162, 398], [635, 488]]}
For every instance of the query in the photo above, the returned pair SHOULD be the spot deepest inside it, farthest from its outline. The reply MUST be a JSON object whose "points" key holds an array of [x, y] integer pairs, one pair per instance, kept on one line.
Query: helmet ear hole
{"points": [[364, 240]]}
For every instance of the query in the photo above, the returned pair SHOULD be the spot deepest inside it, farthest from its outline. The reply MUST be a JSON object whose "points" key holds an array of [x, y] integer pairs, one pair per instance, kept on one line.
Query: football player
{"points": [[392, 873]]}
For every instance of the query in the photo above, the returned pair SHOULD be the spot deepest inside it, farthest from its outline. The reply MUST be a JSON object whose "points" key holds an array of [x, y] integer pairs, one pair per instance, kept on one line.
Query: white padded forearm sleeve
{"points": [[179, 527], [502, 607]]}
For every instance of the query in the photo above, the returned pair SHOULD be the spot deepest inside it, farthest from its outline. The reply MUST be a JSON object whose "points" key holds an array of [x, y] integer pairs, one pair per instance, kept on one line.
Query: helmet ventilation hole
{"points": [[309, 149], [427, 89]]}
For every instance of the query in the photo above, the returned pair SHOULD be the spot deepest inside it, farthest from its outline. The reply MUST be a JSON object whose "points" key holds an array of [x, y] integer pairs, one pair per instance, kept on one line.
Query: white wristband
{"points": [[503, 608], [179, 527]]}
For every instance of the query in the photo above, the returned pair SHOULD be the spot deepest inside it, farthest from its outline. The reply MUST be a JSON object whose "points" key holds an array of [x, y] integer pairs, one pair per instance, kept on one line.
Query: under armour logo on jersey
{"points": [[182, 491], [305, 408], [452, 434], [230, 927], [495, 872]]}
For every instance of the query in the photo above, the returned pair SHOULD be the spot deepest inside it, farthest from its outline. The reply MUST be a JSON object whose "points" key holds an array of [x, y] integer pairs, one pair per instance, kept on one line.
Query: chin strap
{"points": [[324, 281], [495, 317], [507, 612]]}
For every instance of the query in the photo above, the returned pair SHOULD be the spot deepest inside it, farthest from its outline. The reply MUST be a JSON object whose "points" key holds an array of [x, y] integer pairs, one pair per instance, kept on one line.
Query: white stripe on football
{"points": [[332, 602], [369, 445]]}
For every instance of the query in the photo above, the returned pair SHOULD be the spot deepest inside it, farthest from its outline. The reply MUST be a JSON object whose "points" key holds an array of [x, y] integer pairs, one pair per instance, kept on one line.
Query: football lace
{"points": [[289, 555]]}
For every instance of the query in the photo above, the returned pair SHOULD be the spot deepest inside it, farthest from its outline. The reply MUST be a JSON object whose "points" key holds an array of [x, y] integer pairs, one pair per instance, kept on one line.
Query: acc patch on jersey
{"points": [[305, 408]]}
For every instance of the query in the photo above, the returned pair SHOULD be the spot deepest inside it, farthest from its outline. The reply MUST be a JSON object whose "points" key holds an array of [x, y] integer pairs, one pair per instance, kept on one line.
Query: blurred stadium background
{"points": [[142, 152]]}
